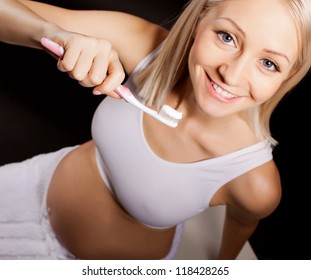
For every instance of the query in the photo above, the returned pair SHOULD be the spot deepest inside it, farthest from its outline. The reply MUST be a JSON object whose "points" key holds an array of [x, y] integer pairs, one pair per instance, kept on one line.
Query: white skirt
{"points": [[25, 231]]}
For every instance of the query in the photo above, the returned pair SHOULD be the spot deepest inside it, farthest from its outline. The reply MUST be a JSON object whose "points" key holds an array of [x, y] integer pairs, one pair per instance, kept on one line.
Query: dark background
{"points": [[42, 110]]}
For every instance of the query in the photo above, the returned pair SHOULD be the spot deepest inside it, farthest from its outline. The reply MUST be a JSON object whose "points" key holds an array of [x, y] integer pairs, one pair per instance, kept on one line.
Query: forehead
{"points": [[268, 23]]}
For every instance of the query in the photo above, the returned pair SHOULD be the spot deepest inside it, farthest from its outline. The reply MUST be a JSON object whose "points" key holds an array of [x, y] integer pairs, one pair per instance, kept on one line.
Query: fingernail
{"points": [[96, 92]]}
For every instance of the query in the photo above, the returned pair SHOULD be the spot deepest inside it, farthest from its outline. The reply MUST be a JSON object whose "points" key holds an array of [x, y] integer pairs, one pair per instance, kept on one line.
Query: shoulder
{"points": [[257, 192]]}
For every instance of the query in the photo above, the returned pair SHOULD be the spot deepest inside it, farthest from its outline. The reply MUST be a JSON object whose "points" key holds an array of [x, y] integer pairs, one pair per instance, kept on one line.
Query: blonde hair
{"points": [[171, 64]]}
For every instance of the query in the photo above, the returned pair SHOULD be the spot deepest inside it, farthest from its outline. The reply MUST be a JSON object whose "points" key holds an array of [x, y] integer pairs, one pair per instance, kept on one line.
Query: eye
{"points": [[270, 65], [226, 38]]}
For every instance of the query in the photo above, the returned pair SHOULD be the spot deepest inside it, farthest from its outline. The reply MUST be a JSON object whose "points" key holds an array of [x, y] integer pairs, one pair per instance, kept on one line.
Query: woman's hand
{"points": [[91, 61]]}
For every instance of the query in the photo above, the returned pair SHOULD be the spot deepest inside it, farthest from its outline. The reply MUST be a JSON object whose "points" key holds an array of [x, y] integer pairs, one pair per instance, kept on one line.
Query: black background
{"points": [[42, 110]]}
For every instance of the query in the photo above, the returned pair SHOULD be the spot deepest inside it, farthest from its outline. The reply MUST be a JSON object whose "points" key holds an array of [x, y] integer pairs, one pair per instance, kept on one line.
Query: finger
{"points": [[97, 72], [112, 94], [68, 61], [82, 68], [112, 81], [115, 75]]}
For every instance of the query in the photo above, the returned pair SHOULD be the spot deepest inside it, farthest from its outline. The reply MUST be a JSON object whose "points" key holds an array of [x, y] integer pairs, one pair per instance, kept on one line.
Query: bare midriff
{"points": [[88, 220]]}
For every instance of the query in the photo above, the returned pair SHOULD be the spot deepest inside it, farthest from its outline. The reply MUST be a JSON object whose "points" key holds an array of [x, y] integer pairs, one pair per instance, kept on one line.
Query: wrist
{"points": [[47, 30]]}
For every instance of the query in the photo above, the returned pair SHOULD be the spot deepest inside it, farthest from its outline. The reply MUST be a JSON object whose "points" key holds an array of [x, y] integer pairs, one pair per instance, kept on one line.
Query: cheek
{"points": [[202, 51], [195, 61], [265, 90]]}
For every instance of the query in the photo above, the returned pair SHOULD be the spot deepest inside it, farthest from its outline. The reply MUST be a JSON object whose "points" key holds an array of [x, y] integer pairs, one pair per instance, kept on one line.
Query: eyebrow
{"points": [[244, 35], [235, 24], [277, 53]]}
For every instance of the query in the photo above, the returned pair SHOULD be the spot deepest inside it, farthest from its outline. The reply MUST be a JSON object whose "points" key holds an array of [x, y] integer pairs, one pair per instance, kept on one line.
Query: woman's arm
{"points": [[91, 61], [236, 232], [250, 198], [88, 58], [20, 26], [132, 37]]}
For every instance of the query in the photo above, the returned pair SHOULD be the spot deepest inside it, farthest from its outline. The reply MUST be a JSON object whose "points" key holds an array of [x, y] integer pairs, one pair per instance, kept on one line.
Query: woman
{"points": [[126, 193]]}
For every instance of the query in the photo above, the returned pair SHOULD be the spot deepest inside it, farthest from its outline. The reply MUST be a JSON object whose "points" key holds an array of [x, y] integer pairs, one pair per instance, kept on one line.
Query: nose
{"points": [[234, 71]]}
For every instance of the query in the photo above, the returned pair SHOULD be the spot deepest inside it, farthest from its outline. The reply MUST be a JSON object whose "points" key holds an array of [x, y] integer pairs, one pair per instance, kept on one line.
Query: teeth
{"points": [[222, 92]]}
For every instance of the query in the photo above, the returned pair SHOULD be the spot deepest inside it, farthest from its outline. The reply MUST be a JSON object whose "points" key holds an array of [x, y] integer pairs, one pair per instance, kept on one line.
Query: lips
{"points": [[219, 93], [222, 92]]}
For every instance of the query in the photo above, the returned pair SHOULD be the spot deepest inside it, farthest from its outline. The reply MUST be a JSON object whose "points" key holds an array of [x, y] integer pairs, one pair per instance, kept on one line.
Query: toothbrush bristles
{"points": [[170, 115]]}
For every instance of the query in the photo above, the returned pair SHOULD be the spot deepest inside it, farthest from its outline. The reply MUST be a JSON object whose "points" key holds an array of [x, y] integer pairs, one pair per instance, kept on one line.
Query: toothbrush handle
{"points": [[128, 96], [53, 47]]}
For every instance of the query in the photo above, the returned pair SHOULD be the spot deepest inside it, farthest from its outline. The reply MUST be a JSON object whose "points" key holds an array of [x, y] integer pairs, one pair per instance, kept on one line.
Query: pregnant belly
{"points": [[88, 220]]}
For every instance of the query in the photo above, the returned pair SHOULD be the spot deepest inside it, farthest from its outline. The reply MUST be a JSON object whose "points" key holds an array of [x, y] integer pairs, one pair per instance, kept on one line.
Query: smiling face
{"points": [[242, 52]]}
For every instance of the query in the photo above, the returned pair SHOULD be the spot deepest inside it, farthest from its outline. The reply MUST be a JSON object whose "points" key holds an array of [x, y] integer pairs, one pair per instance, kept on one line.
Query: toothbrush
{"points": [[166, 115]]}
